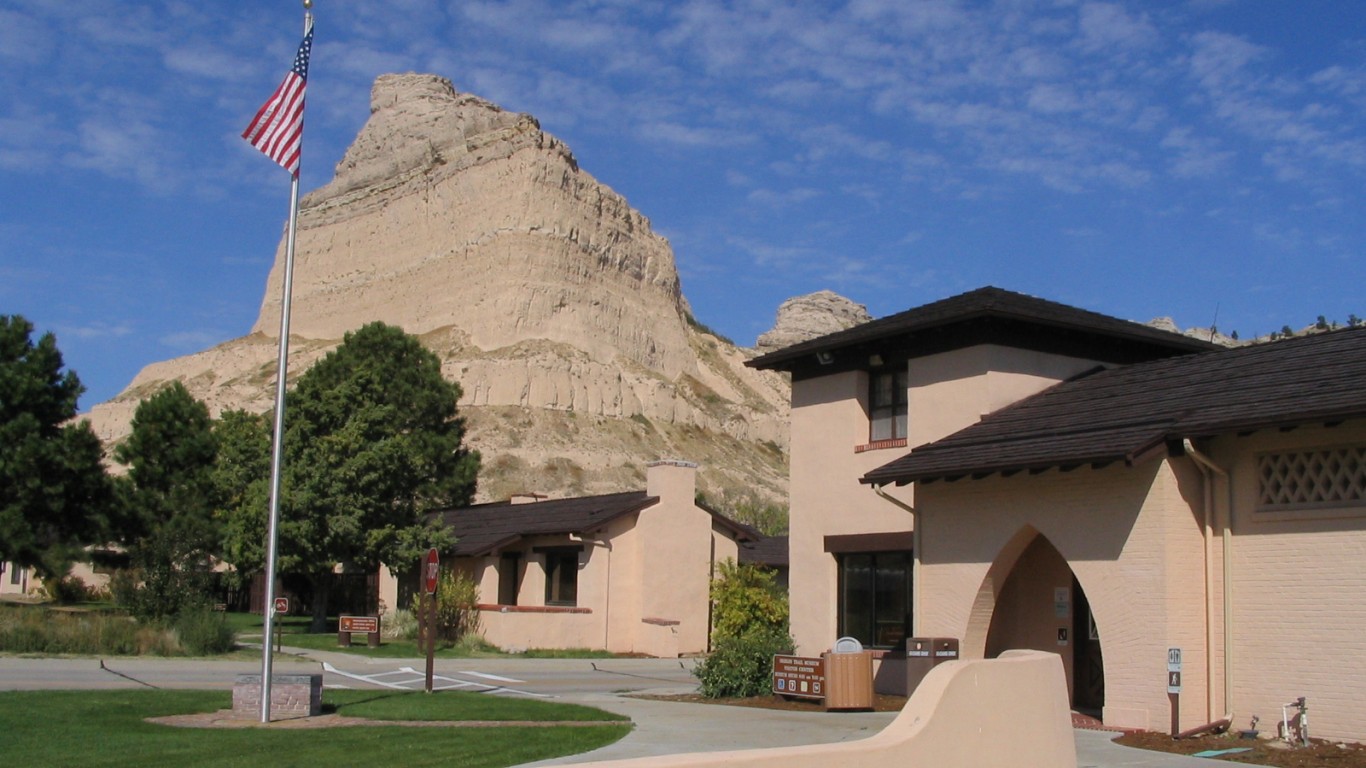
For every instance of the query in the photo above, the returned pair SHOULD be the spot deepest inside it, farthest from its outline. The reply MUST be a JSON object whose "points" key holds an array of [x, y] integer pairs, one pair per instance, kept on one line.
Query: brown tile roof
{"points": [[987, 314], [1124, 414], [483, 528], [767, 550]]}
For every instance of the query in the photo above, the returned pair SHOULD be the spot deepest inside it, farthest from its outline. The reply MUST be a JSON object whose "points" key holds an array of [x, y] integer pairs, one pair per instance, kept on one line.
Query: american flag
{"points": [[278, 128]]}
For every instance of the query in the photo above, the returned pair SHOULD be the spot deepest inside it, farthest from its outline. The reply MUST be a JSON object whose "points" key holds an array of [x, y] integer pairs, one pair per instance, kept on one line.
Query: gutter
{"points": [[916, 521], [1208, 469]]}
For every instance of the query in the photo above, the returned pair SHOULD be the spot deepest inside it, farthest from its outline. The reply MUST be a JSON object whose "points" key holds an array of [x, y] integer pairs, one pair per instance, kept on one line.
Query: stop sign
{"points": [[430, 570]]}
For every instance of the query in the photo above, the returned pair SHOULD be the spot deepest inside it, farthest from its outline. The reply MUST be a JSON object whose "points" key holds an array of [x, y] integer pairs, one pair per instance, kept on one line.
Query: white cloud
{"points": [[1195, 157], [1107, 27], [96, 330]]}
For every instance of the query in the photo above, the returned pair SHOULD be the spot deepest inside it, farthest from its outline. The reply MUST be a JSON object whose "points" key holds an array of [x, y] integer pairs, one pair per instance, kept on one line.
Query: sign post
{"points": [[431, 572], [1174, 687], [281, 608]]}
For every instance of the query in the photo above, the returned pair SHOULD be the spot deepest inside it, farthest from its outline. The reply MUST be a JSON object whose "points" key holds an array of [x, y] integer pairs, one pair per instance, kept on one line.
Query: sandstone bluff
{"points": [[544, 293]]}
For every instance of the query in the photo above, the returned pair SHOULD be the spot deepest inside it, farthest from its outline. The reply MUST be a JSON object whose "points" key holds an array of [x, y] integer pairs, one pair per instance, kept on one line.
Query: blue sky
{"points": [[1201, 159]]}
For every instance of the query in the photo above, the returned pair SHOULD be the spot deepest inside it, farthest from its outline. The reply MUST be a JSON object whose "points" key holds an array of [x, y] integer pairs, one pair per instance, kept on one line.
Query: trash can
{"points": [[848, 677], [924, 654]]}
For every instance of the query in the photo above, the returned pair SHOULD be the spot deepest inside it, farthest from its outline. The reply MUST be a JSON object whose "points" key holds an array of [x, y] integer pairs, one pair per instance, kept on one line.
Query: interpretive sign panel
{"points": [[800, 676], [359, 623]]}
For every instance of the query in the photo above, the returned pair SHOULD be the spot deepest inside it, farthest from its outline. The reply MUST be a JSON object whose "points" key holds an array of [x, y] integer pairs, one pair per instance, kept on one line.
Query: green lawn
{"points": [[107, 728]]}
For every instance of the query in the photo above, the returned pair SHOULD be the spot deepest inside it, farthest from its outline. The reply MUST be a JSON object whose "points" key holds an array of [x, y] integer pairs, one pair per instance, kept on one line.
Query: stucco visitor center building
{"points": [[1011, 472]]}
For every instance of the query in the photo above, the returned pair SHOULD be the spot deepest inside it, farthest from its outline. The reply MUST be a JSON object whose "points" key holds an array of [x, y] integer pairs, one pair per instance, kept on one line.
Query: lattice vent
{"points": [[1335, 476]]}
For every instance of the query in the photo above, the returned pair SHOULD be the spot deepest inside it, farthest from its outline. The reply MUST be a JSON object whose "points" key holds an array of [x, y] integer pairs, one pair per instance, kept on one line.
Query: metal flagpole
{"points": [[277, 451]]}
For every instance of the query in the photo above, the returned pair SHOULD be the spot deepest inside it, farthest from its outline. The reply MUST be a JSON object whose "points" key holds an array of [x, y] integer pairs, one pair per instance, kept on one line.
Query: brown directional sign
{"points": [[359, 624], [282, 605]]}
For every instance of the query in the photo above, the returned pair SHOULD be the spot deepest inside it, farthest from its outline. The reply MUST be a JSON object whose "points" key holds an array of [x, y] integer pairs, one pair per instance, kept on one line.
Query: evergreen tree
{"points": [[169, 497], [55, 497]]}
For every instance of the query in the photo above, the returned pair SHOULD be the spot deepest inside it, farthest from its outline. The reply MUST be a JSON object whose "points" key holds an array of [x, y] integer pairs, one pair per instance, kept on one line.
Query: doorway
{"points": [[1040, 605]]}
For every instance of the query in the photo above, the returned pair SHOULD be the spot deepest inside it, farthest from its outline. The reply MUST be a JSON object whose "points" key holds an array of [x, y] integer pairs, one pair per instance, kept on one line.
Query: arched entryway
{"points": [[1033, 600]]}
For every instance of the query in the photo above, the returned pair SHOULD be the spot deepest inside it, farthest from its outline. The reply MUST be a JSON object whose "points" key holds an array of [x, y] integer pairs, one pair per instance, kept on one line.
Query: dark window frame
{"points": [[872, 620], [509, 577], [888, 405], [561, 580]]}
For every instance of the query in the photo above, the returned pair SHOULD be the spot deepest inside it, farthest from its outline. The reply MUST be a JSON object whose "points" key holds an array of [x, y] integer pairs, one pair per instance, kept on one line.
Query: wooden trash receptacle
{"points": [[849, 680]]}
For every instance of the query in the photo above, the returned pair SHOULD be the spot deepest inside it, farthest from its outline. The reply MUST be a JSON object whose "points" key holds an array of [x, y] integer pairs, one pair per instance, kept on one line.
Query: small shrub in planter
{"points": [[741, 665]]}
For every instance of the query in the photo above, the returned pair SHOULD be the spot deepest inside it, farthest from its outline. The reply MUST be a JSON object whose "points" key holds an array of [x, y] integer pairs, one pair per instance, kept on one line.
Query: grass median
{"points": [[110, 728]]}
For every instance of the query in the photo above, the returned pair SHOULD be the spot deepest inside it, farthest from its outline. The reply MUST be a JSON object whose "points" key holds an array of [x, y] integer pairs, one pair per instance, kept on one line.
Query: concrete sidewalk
{"points": [[665, 727]]}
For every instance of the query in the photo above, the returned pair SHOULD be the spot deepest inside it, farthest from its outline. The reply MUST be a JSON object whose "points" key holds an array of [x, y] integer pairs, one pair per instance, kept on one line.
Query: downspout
{"points": [[916, 521], [607, 592], [1208, 468]]}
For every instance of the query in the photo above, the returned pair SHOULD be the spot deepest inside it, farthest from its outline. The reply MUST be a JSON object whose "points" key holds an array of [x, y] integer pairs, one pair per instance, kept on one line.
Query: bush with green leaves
{"points": [[68, 590], [749, 626], [457, 607], [204, 632], [741, 666], [745, 596]]}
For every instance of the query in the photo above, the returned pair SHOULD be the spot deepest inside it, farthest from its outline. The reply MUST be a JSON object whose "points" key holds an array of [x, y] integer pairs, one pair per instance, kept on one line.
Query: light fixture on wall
{"points": [[825, 358], [875, 361]]}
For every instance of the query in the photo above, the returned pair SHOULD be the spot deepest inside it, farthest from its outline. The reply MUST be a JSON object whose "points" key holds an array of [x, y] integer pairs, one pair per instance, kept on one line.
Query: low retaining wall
{"points": [[290, 696], [1011, 712]]}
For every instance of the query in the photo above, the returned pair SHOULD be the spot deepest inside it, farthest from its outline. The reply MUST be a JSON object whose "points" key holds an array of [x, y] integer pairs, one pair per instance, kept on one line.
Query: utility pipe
{"points": [[1208, 469], [916, 522]]}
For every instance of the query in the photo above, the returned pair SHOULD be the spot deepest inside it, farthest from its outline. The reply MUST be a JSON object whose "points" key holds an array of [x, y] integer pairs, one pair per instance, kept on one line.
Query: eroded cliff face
{"points": [[544, 293], [449, 211]]}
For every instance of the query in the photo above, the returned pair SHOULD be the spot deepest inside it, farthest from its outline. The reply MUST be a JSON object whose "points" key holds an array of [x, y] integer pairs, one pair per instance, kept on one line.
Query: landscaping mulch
{"points": [[881, 702], [1319, 754]]}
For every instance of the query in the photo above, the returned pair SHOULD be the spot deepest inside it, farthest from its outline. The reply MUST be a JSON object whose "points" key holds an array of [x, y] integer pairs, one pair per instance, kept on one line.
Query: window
{"points": [[509, 577], [15, 574], [887, 406], [875, 598], [562, 576]]}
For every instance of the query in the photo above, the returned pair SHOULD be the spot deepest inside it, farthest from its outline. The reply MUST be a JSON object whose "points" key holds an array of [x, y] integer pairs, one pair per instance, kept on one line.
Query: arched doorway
{"points": [[1040, 605]]}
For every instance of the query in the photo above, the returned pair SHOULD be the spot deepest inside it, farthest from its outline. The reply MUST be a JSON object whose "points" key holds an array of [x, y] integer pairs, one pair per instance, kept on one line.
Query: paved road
{"points": [[661, 727]]}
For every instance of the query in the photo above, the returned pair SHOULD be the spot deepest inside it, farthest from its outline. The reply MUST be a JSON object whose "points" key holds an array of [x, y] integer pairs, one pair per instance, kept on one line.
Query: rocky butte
{"points": [[543, 292]]}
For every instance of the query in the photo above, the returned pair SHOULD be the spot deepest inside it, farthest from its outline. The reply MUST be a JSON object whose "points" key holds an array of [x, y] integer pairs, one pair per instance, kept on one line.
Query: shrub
{"points": [[457, 607], [742, 665], [68, 590], [744, 597], [399, 625], [749, 626], [204, 632]]}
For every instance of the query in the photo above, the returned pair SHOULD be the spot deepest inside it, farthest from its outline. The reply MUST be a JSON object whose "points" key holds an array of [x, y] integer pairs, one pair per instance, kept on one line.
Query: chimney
{"points": [[671, 479]]}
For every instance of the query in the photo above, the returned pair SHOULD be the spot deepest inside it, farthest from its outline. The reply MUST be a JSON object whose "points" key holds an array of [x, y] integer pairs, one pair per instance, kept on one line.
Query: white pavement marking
{"points": [[487, 676], [410, 679]]}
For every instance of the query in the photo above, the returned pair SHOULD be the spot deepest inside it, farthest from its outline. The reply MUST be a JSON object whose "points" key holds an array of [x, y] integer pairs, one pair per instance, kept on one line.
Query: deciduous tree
{"points": [[372, 442]]}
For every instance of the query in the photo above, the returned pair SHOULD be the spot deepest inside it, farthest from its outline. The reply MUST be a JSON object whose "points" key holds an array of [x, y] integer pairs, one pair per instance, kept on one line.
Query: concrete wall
{"points": [[1010, 711]]}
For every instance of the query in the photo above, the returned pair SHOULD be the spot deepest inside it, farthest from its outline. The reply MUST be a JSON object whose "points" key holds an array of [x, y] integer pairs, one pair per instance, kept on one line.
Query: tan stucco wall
{"points": [[1009, 712], [643, 580], [1298, 594], [946, 392], [1134, 543]]}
